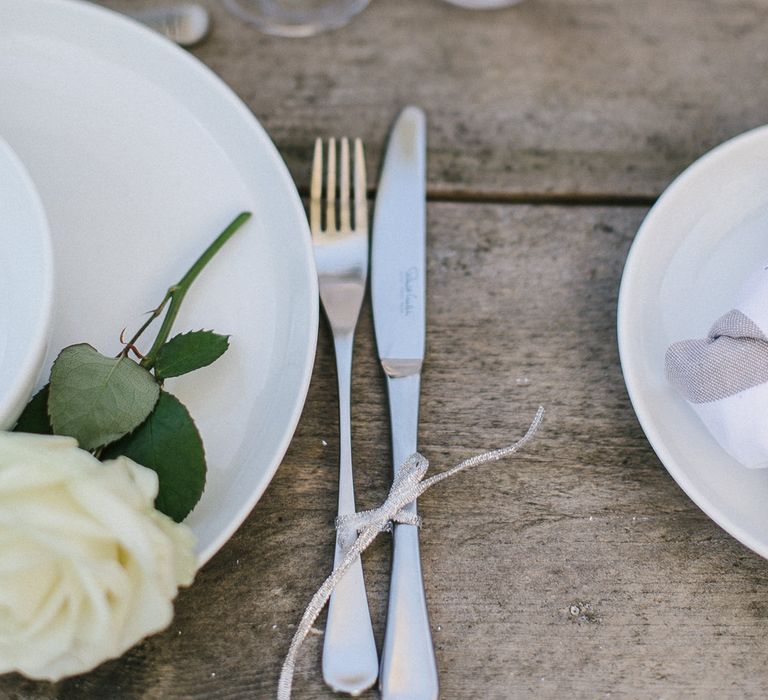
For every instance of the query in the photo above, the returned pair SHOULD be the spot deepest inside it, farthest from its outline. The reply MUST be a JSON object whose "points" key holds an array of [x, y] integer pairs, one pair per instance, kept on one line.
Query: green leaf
{"points": [[34, 418], [169, 443], [98, 399], [188, 352]]}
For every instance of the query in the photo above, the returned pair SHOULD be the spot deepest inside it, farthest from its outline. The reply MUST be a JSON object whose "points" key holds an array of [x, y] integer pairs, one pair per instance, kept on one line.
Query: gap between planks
{"points": [[564, 199]]}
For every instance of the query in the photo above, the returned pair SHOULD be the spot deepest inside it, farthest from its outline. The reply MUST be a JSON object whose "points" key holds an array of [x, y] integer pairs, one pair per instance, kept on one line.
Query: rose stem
{"points": [[177, 292]]}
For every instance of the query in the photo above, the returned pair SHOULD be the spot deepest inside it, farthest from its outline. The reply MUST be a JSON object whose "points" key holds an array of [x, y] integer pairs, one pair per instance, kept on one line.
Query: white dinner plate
{"points": [[706, 234], [26, 285], [141, 156]]}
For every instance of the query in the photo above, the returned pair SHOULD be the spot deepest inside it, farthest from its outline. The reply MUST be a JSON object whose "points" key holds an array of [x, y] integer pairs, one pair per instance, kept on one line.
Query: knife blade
{"points": [[398, 292]]}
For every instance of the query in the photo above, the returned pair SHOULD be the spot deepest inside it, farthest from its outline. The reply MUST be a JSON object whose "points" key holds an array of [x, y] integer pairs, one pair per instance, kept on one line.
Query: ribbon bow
{"points": [[409, 483], [406, 488]]}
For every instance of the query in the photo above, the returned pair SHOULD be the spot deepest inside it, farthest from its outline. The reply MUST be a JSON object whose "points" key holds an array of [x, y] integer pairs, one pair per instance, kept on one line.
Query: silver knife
{"points": [[398, 272]]}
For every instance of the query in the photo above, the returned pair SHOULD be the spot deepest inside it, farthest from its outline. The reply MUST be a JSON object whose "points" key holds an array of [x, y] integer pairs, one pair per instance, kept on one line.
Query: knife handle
{"points": [[408, 666]]}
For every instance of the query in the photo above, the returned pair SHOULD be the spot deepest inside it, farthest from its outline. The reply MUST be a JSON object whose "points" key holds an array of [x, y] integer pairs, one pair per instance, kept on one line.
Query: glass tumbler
{"points": [[295, 18]]}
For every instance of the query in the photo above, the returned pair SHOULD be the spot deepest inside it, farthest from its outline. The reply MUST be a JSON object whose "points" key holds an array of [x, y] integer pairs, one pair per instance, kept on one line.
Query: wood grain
{"points": [[554, 99], [577, 569]]}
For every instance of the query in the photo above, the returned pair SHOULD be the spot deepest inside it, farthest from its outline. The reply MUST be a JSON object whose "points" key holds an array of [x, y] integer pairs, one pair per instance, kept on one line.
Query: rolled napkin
{"points": [[725, 375]]}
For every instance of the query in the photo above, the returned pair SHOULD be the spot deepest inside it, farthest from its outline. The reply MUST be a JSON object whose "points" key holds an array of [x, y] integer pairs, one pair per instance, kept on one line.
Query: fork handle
{"points": [[350, 661]]}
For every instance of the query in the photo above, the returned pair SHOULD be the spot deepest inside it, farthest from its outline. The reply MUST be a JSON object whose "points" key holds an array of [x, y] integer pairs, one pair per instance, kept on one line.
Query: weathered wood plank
{"points": [[592, 98], [578, 569]]}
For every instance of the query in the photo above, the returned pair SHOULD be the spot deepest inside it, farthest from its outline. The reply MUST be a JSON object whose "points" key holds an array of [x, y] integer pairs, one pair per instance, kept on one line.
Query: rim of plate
{"points": [[169, 51], [683, 184], [16, 395]]}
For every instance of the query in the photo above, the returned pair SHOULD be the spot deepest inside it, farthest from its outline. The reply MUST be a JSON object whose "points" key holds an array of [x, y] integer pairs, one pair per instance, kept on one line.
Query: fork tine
{"points": [[330, 192], [316, 189], [361, 189], [341, 259], [344, 213]]}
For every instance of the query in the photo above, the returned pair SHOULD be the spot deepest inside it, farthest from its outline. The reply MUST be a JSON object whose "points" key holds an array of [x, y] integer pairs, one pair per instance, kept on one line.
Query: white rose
{"points": [[88, 567]]}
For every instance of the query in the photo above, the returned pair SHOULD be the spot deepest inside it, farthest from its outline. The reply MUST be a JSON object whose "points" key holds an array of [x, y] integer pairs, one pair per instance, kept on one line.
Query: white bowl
{"points": [[26, 285], [704, 237]]}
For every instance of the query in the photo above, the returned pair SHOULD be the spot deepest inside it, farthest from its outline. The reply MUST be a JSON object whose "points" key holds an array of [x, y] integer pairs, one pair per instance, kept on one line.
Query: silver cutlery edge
{"points": [[350, 661], [398, 289]]}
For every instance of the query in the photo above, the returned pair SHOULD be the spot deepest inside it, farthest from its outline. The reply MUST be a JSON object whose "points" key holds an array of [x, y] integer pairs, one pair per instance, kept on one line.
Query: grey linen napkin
{"points": [[724, 376]]}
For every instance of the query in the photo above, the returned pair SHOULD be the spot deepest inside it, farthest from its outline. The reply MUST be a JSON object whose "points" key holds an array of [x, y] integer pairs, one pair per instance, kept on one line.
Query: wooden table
{"points": [[578, 569]]}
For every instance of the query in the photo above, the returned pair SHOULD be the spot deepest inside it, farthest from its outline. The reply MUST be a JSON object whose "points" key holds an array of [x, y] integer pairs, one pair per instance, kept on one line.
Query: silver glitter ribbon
{"points": [[409, 483]]}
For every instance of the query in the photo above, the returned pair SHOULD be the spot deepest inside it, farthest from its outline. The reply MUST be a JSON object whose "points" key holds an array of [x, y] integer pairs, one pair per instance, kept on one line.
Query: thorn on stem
{"points": [[136, 352], [129, 347]]}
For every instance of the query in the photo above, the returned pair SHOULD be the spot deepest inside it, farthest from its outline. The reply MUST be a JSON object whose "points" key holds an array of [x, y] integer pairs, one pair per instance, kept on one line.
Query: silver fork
{"points": [[350, 662]]}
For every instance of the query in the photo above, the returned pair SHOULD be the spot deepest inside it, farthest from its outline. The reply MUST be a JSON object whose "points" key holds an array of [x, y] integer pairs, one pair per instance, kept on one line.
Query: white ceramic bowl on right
{"points": [[702, 239]]}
